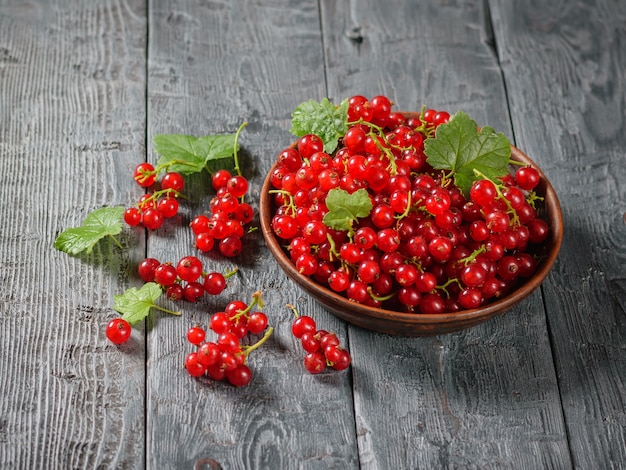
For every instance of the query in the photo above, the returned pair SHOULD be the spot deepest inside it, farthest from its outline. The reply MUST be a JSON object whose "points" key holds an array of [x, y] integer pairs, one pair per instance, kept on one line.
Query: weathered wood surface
{"points": [[572, 121], [83, 88]]}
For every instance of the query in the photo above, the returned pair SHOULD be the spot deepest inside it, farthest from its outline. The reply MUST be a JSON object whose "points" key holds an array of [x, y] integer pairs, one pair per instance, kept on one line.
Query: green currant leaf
{"points": [[135, 304], [187, 154], [97, 225], [345, 208], [324, 119], [461, 147]]}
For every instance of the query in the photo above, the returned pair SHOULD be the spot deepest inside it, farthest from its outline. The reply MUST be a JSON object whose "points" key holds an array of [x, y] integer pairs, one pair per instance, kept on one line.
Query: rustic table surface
{"points": [[84, 86]]}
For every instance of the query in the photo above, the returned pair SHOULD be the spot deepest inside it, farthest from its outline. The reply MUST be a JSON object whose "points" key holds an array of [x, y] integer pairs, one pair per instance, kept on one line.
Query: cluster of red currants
{"points": [[225, 358], [186, 280], [160, 204], [228, 217], [424, 247], [322, 348]]}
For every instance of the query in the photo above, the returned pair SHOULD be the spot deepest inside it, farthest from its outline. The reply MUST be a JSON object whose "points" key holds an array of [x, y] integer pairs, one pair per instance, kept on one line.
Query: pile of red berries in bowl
{"points": [[405, 223]]}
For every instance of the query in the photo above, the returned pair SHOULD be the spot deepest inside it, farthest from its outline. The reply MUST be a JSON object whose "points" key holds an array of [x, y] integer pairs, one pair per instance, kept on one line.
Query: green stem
{"points": [[468, 259], [259, 343], [235, 149], [294, 309], [163, 309], [117, 242], [379, 297]]}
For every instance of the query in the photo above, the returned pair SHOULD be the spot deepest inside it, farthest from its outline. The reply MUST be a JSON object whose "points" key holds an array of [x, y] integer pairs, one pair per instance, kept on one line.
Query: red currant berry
{"points": [[194, 366], [314, 362], [527, 178], [193, 291], [240, 376], [257, 322], [214, 283], [144, 175], [303, 324], [189, 268], [118, 331], [230, 246], [132, 216], [237, 185], [220, 178], [152, 219], [168, 206], [173, 181], [147, 268], [196, 335]]}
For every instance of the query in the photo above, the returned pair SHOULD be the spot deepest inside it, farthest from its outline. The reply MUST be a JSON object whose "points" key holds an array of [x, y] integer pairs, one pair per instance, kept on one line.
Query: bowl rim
{"points": [[553, 217]]}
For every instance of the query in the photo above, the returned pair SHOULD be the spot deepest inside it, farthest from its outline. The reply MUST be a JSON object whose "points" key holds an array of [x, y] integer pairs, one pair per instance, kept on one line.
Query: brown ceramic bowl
{"points": [[417, 324]]}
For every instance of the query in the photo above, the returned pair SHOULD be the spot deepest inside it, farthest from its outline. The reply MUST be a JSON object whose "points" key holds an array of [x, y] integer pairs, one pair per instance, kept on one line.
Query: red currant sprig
{"points": [[224, 226], [156, 206], [322, 348], [226, 357], [186, 280]]}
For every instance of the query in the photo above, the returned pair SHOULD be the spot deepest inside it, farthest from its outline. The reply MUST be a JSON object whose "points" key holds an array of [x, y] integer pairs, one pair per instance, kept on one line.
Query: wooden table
{"points": [[85, 85]]}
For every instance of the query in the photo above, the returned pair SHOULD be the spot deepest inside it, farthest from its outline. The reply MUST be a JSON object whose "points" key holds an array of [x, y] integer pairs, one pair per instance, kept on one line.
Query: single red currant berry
{"points": [[309, 144], [470, 297], [228, 342], [204, 242], [200, 224], [193, 291], [152, 219], [303, 324], [240, 376], [483, 192], [144, 175], [193, 365], [147, 268], [208, 353], [214, 283], [168, 206], [118, 331], [175, 292], [230, 246], [220, 323], [257, 322], [196, 335], [538, 230], [165, 275], [189, 268], [173, 181], [314, 362], [237, 185], [527, 178], [132, 216], [220, 178], [342, 360]]}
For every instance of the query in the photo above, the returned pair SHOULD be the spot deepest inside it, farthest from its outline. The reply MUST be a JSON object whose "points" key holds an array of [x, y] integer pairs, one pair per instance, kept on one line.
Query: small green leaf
{"points": [[97, 225], [345, 208], [187, 154], [135, 304], [460, 147], [323, 119]]}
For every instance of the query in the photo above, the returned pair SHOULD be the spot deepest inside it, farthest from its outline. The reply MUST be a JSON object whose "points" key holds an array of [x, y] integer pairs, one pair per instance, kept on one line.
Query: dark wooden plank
{"points": [[214, 65], [71, 127], [565, 68], [480, 398]]}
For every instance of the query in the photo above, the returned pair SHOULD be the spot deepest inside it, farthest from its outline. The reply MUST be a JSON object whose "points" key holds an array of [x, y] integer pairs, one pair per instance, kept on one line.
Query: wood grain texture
{"points": [[214, 65], [572, 123], [487, 396], [71, 123]]}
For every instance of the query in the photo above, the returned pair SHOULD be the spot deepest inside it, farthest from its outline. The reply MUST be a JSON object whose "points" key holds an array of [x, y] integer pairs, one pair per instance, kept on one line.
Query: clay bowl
{"points": [[417, 324]]}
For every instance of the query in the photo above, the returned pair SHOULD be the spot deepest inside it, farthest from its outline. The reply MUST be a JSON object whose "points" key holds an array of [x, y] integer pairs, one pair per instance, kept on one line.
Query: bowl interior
{"points": [[418, 324]]}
